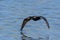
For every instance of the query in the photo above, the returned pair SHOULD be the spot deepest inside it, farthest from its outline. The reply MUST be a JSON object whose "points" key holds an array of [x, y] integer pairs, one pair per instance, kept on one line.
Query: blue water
{"points": [[12, 13]]}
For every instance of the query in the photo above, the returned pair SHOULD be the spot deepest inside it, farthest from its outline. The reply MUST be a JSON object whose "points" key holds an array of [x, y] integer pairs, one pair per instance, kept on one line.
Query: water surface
{"points": [[12, 13]]}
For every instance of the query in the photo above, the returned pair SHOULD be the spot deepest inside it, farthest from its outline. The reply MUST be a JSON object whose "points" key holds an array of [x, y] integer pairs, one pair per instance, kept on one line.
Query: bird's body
{"points": [[34, 18]]}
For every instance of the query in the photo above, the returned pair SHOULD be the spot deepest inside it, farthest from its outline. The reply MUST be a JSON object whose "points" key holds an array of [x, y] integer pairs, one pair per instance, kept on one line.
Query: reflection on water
{"points": [[24, 37]]}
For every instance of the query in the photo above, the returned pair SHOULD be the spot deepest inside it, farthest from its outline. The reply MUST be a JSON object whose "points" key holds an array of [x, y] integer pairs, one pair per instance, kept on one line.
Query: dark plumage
{"points": [[35, 18]]}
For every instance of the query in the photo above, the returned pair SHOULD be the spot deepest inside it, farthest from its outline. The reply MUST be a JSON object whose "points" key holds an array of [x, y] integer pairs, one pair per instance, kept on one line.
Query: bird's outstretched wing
{"points": [[24, 22], [45, 21]]}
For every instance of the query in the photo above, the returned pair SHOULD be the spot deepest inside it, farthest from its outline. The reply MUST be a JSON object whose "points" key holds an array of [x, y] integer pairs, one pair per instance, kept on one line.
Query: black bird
{"points": [[34, 18]]}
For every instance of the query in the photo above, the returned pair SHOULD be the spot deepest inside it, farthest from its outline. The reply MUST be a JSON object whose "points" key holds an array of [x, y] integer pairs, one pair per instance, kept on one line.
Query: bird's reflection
{"points": [[24, 37]]}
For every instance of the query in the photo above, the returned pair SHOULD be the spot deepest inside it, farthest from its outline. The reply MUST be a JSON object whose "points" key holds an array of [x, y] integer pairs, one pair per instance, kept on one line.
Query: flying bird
{"points": [[34, 18]]}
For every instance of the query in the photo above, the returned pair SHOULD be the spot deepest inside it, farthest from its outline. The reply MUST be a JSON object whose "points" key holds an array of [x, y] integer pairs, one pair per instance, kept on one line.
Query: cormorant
{"points": [[34, 18]]}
